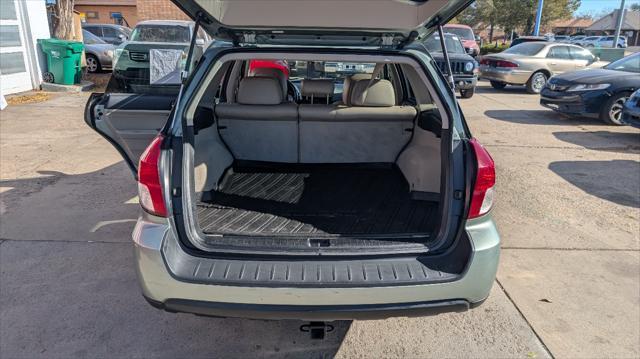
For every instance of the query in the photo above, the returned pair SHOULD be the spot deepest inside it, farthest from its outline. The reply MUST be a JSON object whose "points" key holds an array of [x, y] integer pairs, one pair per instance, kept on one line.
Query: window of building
{"points": [[8, 10], [12, 62], [92, 15], [9, 36]]}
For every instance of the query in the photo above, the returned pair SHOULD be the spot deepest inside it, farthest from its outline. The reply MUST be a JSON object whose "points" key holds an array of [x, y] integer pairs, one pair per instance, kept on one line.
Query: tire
{"points": [[498, 85], [467, 93], [93, 65], [536, 82], [612, 110], [48, 77]]}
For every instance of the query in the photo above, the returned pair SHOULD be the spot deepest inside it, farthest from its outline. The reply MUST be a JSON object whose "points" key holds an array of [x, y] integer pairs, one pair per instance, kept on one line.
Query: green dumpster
{"points": [[63, 60]]}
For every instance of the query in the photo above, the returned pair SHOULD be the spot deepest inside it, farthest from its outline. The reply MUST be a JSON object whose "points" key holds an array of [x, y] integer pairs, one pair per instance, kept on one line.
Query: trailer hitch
{"points": [[317, 330]]}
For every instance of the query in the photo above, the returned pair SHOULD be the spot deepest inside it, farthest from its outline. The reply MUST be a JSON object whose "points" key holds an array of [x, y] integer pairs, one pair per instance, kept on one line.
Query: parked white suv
{"points": [[264, 200], [607, 41]]}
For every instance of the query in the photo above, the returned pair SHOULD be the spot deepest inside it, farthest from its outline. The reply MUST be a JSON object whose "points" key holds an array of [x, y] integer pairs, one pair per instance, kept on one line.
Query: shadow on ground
{"points": [[514, 89], [67, 300], [617, 181], [68, 283], [538, 117], [95, 206], [602, 140]]}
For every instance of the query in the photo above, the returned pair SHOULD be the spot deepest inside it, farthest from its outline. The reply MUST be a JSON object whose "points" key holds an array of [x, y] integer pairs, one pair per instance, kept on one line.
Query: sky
{"points": [[595, 6]]}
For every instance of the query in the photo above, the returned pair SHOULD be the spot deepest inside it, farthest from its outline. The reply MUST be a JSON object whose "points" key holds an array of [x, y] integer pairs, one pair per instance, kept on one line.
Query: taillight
{"points": [[484, 62], [483, 193], [502, 63], [149, 182]]}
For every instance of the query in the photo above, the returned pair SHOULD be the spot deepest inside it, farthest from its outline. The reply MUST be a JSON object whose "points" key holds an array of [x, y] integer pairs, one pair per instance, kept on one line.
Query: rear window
{"points": [[161, 33], [451, 42], [465, 34], [527, 48]]}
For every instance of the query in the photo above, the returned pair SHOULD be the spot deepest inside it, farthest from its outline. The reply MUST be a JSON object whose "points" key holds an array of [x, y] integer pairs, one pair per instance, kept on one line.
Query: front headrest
{"points": [[317, 87], [259, 91], [346, 87], [379, 94], [271, 72]]}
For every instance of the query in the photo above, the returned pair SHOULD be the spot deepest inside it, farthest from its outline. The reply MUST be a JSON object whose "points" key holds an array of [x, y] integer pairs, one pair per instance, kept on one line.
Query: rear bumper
{"points": [[311, 313], [506, 75], [165, 290]]}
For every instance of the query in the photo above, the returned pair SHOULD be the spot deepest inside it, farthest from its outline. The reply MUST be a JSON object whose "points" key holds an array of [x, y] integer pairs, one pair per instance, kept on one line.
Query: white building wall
{"points": [[37, 24]]}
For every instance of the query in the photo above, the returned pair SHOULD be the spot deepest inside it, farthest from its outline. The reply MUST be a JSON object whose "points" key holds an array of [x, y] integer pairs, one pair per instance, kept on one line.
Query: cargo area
{"points": [[318, 201], [296, 155]]}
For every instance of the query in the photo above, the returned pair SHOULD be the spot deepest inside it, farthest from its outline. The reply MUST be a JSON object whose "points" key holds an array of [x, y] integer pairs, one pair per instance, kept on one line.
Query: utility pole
{"points": [[536, 29], [618, 25]]}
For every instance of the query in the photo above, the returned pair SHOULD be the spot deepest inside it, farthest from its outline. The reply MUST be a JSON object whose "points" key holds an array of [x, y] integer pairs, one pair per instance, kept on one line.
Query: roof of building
{"points": [[631, 21], [575, 23]]}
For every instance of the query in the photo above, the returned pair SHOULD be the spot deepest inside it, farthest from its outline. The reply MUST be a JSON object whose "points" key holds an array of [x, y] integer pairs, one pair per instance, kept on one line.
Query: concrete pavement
{"points": [[568, 210]]}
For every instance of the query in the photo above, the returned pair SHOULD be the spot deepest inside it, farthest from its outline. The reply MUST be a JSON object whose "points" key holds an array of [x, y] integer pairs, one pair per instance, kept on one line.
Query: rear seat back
{"points": [[372, 129], [259, 126], [317, 91]]}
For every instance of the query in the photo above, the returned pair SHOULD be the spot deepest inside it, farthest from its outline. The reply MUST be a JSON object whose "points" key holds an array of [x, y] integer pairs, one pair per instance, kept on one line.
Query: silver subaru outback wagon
{"points": [[272, 188]]}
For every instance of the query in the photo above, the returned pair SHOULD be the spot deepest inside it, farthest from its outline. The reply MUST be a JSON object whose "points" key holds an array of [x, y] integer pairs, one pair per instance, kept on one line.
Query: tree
{"points": [[63, 19], [635, 7], [516, 14]]}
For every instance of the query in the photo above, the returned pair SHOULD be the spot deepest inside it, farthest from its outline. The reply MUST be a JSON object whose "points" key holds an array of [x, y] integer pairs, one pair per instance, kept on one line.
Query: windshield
{"points": [[627, 64], [90, 39], [161, 33], [451, 42], [465, 34], [526, 48]]}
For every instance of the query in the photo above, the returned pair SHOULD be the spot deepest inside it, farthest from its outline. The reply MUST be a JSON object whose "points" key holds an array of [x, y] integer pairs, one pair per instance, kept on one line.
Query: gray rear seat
{"points": [[260, 127], [372, 129]]}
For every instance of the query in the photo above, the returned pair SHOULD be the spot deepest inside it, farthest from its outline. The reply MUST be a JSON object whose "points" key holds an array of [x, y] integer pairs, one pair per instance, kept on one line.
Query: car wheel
{"points": [[612, 111], [48, 77], [498, 85], [467, 93], [536, 82], [93, 65]]}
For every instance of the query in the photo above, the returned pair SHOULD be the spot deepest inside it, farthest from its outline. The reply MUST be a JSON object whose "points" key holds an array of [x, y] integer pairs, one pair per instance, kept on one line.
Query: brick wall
{"points": [[103, 13], [159, 10]]}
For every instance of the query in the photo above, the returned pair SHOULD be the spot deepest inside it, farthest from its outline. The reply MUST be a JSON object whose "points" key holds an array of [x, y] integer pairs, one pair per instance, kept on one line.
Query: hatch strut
{"points": [[445, 53], [192, 45]]}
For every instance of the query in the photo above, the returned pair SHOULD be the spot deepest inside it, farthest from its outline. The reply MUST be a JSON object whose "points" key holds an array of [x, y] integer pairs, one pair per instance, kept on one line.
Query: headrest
{"points": [[271, 72], [379, 94], [259, 91], [346, 87], [317, 87]]}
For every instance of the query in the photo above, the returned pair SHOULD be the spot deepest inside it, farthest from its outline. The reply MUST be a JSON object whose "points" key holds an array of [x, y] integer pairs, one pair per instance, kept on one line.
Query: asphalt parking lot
{"points": [[568, 210]]}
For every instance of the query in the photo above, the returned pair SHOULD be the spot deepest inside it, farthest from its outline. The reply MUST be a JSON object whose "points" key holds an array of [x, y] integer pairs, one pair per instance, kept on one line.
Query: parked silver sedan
{"points": [[532, 63], [99, 54]]}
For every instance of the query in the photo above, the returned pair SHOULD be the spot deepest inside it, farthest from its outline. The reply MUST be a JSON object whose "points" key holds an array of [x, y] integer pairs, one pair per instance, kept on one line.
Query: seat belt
{"points": [[376, 71]]}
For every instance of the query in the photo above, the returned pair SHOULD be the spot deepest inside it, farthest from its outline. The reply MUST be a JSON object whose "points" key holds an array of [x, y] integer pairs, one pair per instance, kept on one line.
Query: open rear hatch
{"points": [[390, 23]]}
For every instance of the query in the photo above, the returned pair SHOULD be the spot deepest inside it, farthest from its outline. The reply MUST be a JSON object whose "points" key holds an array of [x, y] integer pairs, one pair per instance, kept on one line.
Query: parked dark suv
{"points": [[463, 66], [259, 204]]}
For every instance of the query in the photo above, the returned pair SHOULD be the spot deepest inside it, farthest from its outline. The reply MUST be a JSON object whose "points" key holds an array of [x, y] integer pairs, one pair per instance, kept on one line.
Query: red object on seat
{"points": [[271, 64]]}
